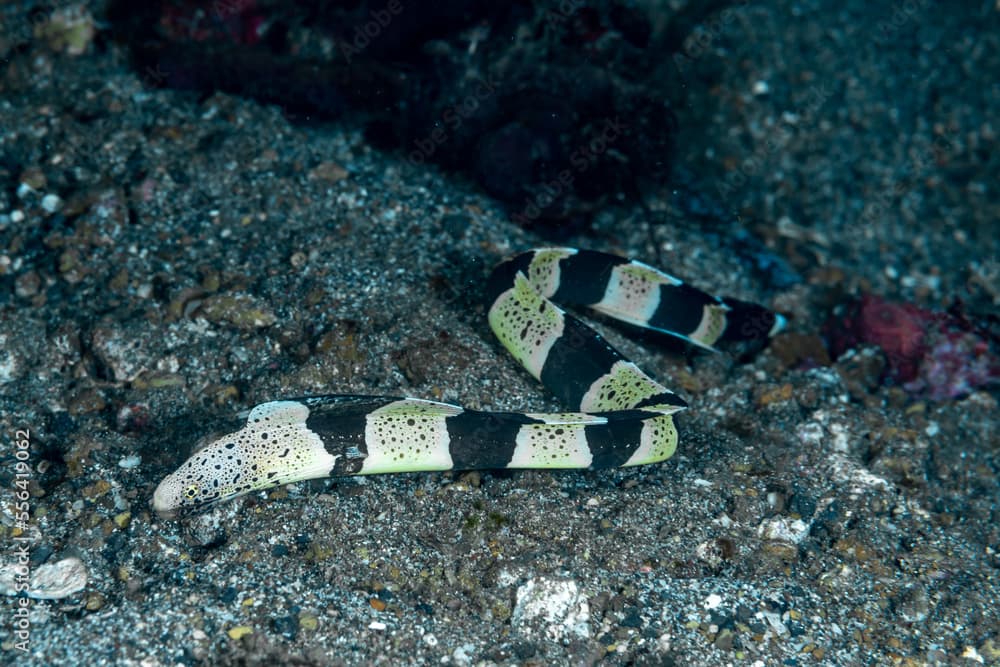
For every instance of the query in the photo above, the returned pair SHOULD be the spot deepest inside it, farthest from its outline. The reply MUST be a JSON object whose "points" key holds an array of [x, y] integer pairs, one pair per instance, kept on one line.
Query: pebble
{"points": [[40, 554], [129, 462], [97, 489], [463, 655], [783, 529], [86, 401], [793, 349], [118, 350], [862, 370], [28, 284], [724, 640], [780, 551], [331, 172], [68, 30], [238, 632], [631, 619], [208, 529], [970, 653], [768, 395], [95, 601], [990, 649], [132, 418], [553, 607], [287, 626], [239, 310], [53, 581], [51, 203], [913, 604], [308, 621]]}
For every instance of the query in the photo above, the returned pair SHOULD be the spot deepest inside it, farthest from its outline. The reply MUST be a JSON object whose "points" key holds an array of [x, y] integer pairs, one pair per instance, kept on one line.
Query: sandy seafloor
{"points": [[803, 520]]}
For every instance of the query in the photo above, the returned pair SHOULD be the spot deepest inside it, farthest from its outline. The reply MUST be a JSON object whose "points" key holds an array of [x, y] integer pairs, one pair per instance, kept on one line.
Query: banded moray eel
{"points": [[623, 417]]}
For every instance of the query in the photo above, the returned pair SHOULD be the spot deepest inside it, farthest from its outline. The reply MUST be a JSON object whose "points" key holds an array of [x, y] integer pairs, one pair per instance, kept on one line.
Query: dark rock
{"points": [[287, 626], [631, 619], [524, 649]]}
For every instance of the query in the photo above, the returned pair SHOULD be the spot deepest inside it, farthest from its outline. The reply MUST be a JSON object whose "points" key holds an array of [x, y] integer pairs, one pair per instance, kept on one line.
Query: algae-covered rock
{"points": [[239, 310]]}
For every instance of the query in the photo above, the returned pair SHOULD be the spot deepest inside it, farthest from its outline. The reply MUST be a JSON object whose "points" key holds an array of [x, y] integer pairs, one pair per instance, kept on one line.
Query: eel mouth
{"points": [[162, 505]]}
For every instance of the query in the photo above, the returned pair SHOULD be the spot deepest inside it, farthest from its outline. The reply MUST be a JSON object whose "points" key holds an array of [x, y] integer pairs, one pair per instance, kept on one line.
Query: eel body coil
{"points": [[619, 415]]}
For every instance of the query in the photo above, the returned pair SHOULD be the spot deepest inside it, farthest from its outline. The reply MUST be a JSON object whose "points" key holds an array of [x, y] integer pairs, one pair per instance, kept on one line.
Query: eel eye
{"points": [[191, 492]]}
